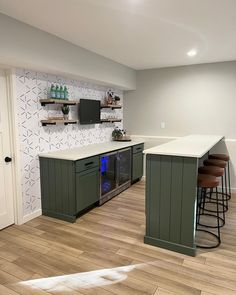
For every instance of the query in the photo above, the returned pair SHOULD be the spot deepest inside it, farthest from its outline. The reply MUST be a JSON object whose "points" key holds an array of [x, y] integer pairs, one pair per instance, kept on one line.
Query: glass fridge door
{"points": [[124, 166], [108, 173]]}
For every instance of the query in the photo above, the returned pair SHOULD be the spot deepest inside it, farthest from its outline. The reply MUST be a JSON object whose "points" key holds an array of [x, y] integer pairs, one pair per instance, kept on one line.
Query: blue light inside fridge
{"points": [[104, 164]]}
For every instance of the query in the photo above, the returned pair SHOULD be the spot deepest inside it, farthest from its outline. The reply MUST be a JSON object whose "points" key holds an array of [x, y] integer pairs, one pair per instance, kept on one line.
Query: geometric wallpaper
{"points": [[35, 139]]}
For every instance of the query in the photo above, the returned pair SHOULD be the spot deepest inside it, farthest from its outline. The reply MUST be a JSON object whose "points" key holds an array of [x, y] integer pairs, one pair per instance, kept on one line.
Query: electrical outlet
{"points": [[163, 125]]}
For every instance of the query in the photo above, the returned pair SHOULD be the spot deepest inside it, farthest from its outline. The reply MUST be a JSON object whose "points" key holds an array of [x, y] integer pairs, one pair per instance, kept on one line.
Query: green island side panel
{"points": [[170, 202]]}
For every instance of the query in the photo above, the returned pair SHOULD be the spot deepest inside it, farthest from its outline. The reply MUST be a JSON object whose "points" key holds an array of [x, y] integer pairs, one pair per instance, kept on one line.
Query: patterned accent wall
{"points": [[35, 139]]}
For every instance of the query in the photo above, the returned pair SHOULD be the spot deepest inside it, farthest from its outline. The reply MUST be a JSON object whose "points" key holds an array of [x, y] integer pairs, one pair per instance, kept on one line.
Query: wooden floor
{"points": [[103, 253]]}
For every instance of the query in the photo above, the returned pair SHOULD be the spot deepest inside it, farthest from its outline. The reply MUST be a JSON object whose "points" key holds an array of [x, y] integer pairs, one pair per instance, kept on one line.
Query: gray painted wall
{"points": [[25, 46], [198, 99], [189, 99]]}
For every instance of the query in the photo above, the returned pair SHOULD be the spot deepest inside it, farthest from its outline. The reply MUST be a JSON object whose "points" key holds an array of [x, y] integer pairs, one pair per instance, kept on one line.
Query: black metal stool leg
{"points": [[229, 181], [199, 205], [226, 190], [218, 215], [223, 199], [200, 211], [212, 212], [223, 202]]}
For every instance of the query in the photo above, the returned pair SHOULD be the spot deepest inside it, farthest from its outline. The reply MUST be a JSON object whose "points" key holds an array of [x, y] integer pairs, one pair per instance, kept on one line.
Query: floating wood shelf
{"points": [[56, 122], [110, 120], [111, 106], [123, 139], [57, 101]]}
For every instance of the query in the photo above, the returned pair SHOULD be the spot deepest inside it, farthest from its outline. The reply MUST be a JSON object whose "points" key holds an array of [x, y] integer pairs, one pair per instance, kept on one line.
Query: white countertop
{"points": [[89, 150], [194, 146]]}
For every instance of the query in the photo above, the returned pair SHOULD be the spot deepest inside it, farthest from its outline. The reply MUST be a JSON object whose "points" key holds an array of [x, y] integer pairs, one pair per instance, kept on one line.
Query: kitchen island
{"points": [[171, 191]]}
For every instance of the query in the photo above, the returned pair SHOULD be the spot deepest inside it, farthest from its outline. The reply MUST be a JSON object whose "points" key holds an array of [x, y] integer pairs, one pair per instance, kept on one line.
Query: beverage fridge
{"points": [[115, 173]]}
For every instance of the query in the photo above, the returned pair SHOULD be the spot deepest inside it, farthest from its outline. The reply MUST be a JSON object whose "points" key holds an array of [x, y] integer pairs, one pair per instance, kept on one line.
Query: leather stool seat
{"points": [[222, 157], [226, 179], [217, 172], [211, 170], [214, 162], [207, 181]]}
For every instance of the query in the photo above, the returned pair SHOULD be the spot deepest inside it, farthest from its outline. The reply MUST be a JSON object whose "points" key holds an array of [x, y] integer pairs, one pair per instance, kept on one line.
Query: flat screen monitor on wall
{"points": [[89, 111]]}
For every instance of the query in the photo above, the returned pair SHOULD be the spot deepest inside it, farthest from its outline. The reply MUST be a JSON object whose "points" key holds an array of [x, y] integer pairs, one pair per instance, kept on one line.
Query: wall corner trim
{"points": [[30, 216]]}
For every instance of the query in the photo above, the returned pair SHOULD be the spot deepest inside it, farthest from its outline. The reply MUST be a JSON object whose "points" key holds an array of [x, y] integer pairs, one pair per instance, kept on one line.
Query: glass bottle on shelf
{"points": [[58, 95], [62, 93], [66, 93], [52, 93]]}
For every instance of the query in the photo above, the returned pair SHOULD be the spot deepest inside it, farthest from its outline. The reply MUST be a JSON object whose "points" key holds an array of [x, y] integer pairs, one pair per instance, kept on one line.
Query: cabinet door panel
{"points": [[137, 166], [108, 173], [124, 167], [87, 188]]}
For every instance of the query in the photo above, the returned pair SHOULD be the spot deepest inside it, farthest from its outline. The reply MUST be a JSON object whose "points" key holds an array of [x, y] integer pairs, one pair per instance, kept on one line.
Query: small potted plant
{"points": [[116, 100], [117, 133], [65, 111]]}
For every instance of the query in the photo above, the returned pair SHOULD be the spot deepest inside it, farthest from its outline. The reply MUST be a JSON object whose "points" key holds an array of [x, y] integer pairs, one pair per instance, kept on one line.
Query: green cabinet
{"points": [[68, 188], [137, 162], [87, 189]]}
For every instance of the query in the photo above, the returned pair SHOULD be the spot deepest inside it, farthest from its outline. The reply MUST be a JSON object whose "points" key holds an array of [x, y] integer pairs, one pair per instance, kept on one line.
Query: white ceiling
{"points": [[138, 33]]}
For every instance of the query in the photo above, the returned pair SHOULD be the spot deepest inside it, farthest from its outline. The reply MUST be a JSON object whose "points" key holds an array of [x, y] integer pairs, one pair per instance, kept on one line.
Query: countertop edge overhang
{"points": [[193, 146], [91, 150]]}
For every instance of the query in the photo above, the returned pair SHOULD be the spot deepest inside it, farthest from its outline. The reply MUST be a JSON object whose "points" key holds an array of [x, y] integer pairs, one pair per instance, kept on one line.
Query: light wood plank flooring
{"points": [[103, 253]]}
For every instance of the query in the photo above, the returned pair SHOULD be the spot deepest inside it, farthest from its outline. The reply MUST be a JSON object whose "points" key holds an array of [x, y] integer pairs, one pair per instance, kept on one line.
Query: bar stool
{"points": [[217, 172], [208, 182], [223, 157], [221, 164]]}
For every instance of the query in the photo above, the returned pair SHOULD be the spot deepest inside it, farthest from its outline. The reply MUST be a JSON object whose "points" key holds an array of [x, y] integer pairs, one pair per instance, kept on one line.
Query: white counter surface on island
{"points": [[89, 150], [188, 146]]}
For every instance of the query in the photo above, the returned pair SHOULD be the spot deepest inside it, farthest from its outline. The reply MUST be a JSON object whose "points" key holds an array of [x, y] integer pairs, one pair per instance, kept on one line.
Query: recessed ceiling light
{"points": [[192, 52]]}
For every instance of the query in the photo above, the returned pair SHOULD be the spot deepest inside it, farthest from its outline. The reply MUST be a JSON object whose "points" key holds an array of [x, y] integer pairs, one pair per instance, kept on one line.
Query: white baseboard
{"points": [[31, 216], [233, 190]]}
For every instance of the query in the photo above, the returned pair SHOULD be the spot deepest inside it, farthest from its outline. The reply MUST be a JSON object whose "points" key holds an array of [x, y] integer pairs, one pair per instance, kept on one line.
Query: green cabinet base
{"points": [[170, 246], [69, 188], [69, 218]]}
